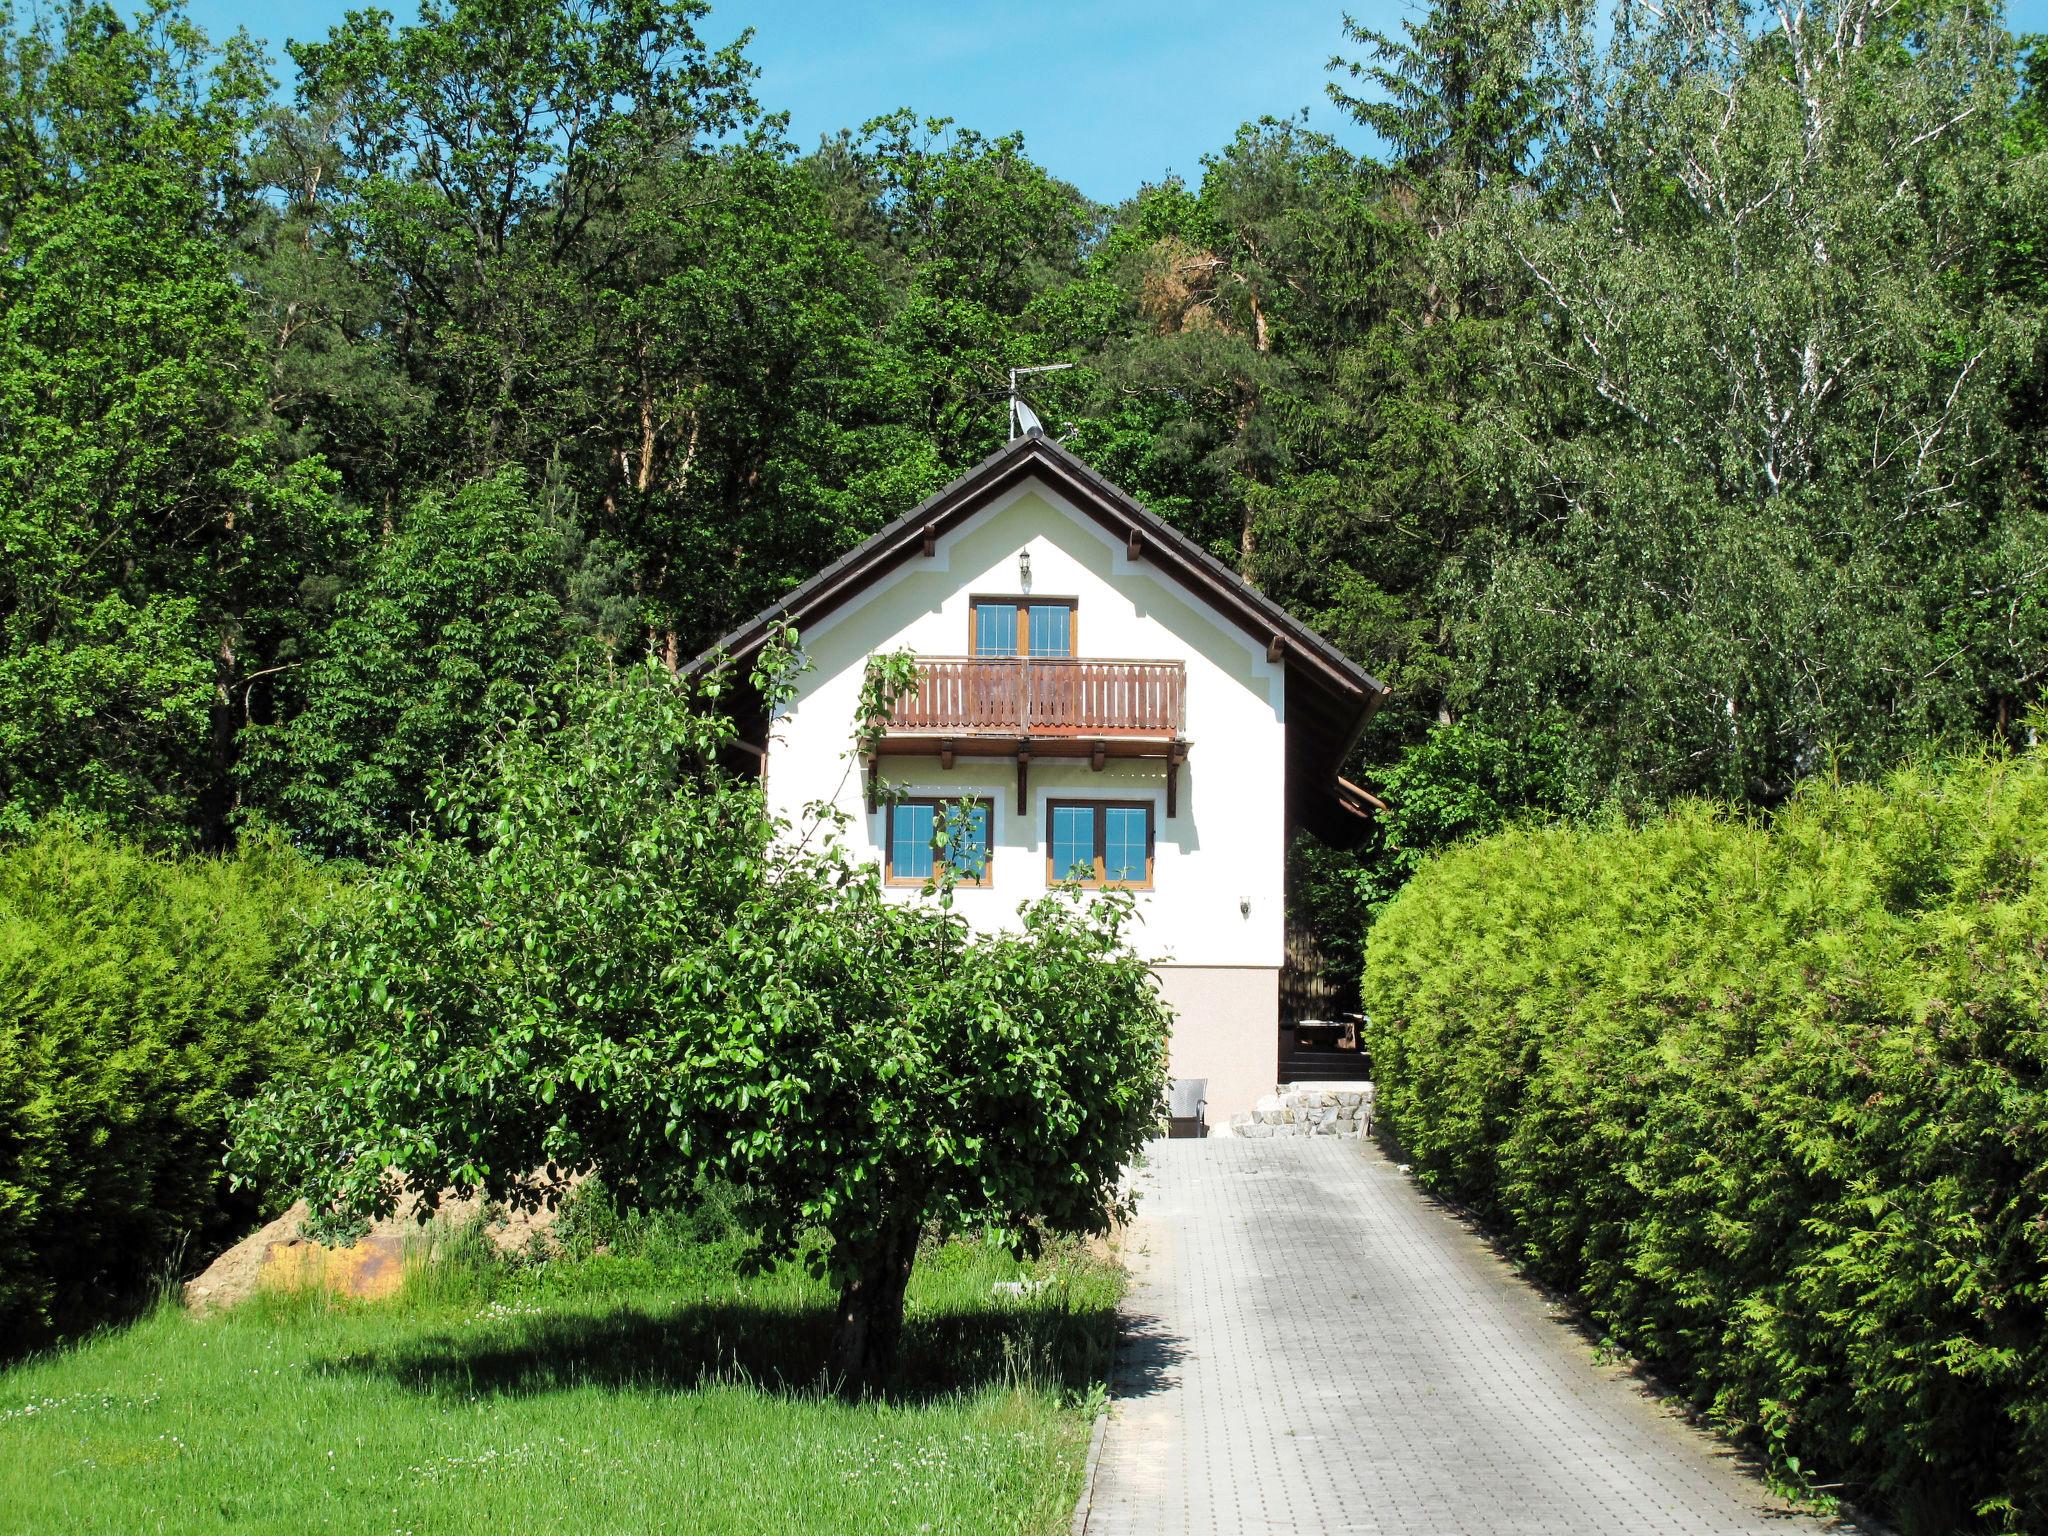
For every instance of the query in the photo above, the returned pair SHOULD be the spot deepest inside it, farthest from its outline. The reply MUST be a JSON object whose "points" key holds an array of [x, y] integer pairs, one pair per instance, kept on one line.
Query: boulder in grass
{"points": [[280, 1257]]}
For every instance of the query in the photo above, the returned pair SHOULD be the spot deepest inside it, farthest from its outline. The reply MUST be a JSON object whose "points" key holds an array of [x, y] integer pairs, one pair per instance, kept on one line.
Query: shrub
{"points": [[135, 1008], [1769, 1098]]}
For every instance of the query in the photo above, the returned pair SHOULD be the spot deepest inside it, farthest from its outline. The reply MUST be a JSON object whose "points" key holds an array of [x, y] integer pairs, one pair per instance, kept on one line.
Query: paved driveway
{"points": [[1311, 1345]]}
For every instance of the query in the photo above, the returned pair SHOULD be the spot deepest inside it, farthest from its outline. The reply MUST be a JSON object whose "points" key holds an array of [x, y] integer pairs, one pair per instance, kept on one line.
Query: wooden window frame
{"points": [[939, 803], [1024, 605], [1098, 883]]}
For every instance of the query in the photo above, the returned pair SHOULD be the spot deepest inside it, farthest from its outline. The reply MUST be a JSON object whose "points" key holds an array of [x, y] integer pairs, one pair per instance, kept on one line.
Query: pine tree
{"points": [[1458, 92]]}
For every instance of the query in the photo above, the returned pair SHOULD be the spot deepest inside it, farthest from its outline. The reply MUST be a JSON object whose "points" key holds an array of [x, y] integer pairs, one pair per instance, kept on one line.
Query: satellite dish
{"points": [[1024, 420]]}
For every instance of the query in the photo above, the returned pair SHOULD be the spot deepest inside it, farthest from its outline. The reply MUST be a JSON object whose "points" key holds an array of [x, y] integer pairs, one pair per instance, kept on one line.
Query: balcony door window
{"points": [[1052, 629], [1099, 843], [916, 851], [1017, 626], [992, 631]]}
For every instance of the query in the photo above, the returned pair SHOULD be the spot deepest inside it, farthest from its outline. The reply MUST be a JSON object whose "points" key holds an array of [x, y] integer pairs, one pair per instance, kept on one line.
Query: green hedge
{"points": [[1769, 1099], [135, 1007]]}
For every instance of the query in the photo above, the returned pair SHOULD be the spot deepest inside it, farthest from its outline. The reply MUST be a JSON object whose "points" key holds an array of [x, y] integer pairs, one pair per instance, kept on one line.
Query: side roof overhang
{"points": [[1330, 698]]}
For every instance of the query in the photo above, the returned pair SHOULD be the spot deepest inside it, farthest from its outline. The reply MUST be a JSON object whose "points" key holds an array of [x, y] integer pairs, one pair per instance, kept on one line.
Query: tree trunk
{"points": [[216, 801], [869, 1325]]}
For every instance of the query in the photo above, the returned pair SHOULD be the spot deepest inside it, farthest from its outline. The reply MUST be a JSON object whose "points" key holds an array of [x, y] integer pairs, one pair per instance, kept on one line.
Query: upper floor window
{"points": [[1099, 842], [915, 852], [1020, 626]]}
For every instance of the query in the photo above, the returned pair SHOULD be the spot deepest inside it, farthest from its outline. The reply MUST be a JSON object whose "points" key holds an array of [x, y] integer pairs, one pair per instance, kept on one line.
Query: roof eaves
{"points": [[1220, 574], [1358, 798]]}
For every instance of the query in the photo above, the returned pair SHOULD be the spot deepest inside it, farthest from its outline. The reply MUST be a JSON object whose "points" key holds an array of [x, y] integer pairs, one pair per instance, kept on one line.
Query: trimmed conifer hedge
{"points": [[1769, 1098], [135, 1009]]}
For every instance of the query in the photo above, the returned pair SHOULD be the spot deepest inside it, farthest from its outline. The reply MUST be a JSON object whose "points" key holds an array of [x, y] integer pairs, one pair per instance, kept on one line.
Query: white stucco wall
{"points": [[1225, 846]]}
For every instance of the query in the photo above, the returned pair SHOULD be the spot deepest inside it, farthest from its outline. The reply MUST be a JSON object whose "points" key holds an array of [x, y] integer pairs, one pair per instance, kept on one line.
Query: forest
{"points": [[1660, 411]]}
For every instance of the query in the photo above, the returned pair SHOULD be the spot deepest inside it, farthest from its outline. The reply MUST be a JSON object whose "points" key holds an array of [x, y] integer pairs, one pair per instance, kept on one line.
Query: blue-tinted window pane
{"points": [[1052, 629], [1123, 842], [968, 852], [1073, 842], [910, 842], [995, 629]]}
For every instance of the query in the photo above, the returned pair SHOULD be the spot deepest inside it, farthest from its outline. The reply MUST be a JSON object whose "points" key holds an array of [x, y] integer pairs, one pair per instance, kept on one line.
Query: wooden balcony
{"points": [[1044, 696], [1002, 706]]}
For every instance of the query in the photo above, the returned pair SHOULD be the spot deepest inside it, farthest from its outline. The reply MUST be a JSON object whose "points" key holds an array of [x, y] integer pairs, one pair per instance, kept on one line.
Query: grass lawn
{"points": [[649, 1388]]}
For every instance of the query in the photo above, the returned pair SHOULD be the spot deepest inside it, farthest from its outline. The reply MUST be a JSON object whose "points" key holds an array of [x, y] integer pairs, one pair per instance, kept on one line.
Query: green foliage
{"points": [[1326, 895], [1461, 782], [1457, 94], [148, 527], [486, 154], [1757, 409], [1672, 388], [1769, 1100], [136, 1008], [971, 218], [1675, 385], [712, 1232], [470, 604], [603, 957]]}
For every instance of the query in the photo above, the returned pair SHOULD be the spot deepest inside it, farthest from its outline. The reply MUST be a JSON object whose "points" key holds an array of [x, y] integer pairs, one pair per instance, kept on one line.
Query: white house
{"points": [[1120, 707]]}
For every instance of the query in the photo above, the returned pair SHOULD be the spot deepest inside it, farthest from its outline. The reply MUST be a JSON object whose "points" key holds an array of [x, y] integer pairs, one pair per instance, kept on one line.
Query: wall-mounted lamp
{"points": [[1244, 906], [1024, 570]]}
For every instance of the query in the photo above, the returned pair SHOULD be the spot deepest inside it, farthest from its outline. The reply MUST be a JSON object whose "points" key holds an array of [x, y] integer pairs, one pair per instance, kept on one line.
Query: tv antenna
{"points": [[1022, 418]]}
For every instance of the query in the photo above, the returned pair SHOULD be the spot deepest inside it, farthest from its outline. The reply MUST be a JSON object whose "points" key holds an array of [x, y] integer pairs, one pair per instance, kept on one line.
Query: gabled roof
{"points": [[1340, 695], [1160, 541]]}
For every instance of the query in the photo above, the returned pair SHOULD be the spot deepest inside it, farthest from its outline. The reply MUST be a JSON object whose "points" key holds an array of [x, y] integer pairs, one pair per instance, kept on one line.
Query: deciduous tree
{"points": [[607, 957]]}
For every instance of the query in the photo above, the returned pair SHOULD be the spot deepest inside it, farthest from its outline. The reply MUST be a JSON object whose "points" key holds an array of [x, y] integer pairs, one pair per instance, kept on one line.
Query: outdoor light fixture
{"points": [[1024, 570], [1244, 906]]}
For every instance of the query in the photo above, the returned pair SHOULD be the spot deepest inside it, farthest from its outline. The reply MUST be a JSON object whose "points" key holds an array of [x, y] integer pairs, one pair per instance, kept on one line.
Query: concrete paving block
{"points": [[1311, 1346]]}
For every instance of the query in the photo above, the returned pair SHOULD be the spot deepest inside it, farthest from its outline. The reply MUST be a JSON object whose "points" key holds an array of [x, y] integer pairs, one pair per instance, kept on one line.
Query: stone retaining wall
{"points": [[1309, 1109]]}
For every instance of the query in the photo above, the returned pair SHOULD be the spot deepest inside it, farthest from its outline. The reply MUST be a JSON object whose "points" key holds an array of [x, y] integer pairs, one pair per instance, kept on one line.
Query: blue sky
{"points": [[1109, 94]]}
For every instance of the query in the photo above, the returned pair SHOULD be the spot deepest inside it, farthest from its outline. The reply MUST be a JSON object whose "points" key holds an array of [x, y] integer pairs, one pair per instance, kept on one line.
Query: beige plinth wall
{"points": [[1227, 1029]]}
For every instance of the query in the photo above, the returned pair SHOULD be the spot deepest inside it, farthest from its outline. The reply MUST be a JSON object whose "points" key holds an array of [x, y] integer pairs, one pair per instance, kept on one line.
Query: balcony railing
{"points": [[1043, 696]]}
